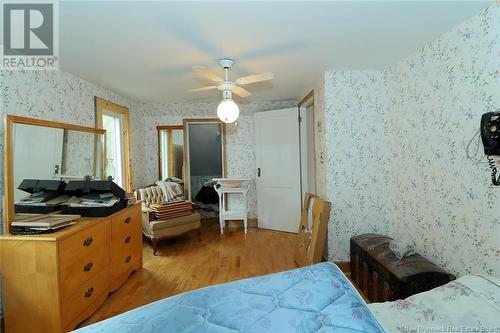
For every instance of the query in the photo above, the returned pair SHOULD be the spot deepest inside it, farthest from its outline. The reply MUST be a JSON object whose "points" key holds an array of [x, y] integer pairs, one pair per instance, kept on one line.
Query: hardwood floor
{"points": [[185, 264]]}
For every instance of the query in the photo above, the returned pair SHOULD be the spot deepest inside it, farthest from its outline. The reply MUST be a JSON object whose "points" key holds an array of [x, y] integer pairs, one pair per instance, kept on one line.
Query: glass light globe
{"points": [[228, 111]]}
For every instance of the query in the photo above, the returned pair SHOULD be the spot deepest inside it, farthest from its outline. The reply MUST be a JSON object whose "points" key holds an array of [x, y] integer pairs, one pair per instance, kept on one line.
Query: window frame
{"points": [[102, 104]]}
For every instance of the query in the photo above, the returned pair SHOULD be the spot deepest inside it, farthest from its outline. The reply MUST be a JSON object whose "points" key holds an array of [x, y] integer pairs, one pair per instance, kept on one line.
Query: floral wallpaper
{"points": [[439, 198], [356, 158], [240, 141], [401, 134], [319, 136]]}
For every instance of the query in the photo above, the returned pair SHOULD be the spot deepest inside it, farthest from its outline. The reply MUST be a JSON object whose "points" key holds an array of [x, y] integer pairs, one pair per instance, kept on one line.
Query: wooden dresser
{"points": [[381, 276], [52, 282]]}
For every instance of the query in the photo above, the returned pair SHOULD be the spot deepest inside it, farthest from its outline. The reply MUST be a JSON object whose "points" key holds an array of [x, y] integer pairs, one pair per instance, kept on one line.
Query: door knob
{"points": [[258, 172]]}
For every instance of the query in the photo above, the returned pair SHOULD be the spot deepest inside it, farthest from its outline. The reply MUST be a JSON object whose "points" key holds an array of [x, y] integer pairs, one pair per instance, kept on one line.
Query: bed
{"points": [[469, 304], [316, 298]]}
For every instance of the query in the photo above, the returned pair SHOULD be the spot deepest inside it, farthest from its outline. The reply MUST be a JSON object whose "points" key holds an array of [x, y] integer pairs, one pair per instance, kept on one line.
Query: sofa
{"points": [[157, 230]]}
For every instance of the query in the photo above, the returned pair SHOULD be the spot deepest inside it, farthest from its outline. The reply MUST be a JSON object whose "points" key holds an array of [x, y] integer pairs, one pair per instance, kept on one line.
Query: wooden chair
{"points": [[312, 231]]}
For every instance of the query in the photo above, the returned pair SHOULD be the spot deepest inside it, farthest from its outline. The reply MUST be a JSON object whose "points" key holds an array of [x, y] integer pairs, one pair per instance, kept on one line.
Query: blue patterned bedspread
{"points": [[317, 298]]}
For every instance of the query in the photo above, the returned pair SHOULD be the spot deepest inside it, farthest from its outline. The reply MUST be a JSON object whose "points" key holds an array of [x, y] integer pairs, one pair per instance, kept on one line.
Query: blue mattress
{"points": [[317, 298]]}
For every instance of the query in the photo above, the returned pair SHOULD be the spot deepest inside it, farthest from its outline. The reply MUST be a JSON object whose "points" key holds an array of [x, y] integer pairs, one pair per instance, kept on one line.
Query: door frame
{"points": [[187, 172], [303, 104]]}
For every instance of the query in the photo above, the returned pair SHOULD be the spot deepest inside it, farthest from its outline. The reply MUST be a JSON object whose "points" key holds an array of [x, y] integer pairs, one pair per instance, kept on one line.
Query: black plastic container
{"points": [[51, 188], [82, 187]]}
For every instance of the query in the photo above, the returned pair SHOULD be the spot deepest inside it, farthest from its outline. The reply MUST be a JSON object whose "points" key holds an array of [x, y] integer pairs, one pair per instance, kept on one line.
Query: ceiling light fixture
{"points": [[228, 110]]}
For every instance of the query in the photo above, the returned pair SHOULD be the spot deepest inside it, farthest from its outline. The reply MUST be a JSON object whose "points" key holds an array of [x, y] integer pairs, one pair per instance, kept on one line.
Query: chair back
{"points": [[151, 195], [312, 230]]}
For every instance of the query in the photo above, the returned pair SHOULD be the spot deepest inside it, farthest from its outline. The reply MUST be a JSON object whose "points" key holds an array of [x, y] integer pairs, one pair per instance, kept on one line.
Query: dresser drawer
{"points": [[126, 222], [125, 254], [80, 245], [82, 269], [85, 298]]}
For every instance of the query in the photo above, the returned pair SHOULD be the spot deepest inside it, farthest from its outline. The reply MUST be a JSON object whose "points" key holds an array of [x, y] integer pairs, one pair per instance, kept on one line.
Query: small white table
{"points": [[226, 186]]}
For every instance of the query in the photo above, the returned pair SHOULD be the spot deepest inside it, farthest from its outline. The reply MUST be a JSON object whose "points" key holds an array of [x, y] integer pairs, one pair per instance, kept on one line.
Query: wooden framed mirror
{"points": [[204, 153], [170, 151], [42, 149]]}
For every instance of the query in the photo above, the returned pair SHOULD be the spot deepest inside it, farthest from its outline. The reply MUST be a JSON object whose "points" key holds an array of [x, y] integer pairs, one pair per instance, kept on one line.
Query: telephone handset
{"points": [[490, 134]]}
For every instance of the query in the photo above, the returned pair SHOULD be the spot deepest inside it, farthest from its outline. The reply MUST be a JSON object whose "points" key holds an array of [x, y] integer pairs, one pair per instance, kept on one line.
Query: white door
{"points": [[278, 162]]}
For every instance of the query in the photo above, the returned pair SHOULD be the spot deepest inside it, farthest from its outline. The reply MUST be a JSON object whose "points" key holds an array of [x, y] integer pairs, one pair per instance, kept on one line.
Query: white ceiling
{"points": [[145, 50]]}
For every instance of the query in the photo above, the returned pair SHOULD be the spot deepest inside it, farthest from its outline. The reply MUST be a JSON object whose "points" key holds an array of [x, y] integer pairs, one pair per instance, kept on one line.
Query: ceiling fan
{"points": [[228, 111]]}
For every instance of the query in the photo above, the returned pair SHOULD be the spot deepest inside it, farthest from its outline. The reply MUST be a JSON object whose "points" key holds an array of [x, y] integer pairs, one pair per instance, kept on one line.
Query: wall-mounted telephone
{"points": [[490, 135]]}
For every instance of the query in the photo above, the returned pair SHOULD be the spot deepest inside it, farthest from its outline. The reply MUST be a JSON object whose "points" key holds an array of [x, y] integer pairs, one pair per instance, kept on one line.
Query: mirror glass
{"points": [[205, 155], [205, 160], [54, 153], [171, 149]]}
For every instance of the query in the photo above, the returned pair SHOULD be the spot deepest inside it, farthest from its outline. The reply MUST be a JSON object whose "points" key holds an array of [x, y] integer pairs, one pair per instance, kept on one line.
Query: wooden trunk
{"points": [[381, 276]]}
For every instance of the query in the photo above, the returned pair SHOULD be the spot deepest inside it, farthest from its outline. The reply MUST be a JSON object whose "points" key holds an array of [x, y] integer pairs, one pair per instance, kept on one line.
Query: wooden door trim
{"points": [[307, 99], [169, 127], [100, 105]]}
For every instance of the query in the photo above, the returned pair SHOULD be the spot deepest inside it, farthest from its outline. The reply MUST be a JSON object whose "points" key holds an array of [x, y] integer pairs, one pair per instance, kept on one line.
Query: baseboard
{"points": [[345, 266]]}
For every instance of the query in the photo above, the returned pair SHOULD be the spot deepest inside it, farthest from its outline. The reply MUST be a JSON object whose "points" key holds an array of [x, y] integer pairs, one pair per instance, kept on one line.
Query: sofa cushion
{"points": [[175, 231], [170, 223]]}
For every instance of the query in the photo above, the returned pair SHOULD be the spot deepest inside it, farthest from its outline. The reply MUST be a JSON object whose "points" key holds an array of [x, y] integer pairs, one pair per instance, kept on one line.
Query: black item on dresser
{"points": [[381, 276], [43, 190], [81, 188]]}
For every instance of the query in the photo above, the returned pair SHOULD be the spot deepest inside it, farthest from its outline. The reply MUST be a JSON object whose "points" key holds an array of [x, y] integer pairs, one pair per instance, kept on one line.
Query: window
{"points": [[114, 119]]}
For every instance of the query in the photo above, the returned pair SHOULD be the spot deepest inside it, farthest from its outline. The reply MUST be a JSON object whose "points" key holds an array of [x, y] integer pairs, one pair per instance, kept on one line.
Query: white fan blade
{"points": [[203, 89], [241, 92], [255, 78], [208, 74]]}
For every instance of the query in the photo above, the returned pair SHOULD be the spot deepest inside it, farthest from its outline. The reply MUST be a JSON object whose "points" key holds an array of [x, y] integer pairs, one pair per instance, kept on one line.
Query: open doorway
{"points": [[204, 156]]}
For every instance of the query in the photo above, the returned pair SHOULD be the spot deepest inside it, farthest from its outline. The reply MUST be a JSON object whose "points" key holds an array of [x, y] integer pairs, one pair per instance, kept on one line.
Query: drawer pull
{"points": [[88, 241], [128, 258], [127, 239], [88, 266], [128, 219], [89, 292]]}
